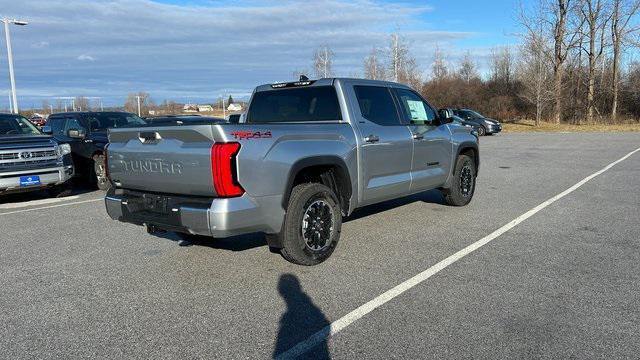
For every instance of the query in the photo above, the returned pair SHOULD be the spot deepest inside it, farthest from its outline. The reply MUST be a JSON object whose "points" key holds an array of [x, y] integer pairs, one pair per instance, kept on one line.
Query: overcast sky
{"points": [[198, 50]]}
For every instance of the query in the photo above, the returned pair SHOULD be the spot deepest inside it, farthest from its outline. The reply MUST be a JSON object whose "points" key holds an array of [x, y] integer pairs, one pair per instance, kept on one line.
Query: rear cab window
{"points": [[377, 105], [309, 104], [103, 121]]}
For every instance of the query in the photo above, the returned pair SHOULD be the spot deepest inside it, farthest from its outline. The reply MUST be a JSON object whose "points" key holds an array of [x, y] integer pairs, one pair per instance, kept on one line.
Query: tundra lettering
{"points": [[152, 166]]}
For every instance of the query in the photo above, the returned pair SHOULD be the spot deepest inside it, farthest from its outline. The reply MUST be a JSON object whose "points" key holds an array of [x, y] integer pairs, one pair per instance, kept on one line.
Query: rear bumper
{"points": [[196, 215], [10, 181]]}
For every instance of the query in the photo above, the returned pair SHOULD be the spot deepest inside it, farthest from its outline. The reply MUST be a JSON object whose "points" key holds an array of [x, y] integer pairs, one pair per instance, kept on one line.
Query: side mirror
{"points": [[446, 116], [76, 134], [47, 130]]}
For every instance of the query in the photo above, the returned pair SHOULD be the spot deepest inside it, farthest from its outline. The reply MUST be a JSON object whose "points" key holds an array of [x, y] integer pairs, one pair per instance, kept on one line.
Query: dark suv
{"points": [[486, 125], [86, 132]]}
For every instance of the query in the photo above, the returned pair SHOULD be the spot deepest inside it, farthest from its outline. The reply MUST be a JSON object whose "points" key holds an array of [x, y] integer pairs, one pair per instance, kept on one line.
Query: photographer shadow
{"points": [[301, 320]]}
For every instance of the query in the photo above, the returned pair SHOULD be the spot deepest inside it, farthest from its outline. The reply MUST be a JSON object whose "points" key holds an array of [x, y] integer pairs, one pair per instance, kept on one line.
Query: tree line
{"points": [[571, 64]]}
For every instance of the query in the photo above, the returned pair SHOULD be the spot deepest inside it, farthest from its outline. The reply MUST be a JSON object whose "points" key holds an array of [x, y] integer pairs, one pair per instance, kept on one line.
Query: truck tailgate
{"points": [[174, 160]]}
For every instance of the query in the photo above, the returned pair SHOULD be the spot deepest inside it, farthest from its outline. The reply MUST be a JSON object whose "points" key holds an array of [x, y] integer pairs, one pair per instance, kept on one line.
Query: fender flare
{"points": [[461, 147], [319, 160]]}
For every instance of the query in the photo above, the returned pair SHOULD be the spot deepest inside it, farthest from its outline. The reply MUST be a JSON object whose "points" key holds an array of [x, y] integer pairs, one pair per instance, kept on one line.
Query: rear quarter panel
{"points": [[265, 163]]}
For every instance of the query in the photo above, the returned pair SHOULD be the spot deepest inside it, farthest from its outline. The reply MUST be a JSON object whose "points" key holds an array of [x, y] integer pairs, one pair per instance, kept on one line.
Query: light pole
{"points": [[138, 98], [14, 98]]}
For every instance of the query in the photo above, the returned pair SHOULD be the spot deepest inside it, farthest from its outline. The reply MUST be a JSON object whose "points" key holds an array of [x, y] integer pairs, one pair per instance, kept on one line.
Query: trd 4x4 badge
{"points": [[243, 135]]}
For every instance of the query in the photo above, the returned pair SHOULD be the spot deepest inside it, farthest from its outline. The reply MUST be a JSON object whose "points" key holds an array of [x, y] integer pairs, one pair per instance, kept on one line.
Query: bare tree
{"points": [[82, 103], [596, 20], [555, 21], [534, 71], [560, 51], [131, 104], [45, 106], [501, 63], [439, 69], [467, 70], [171, 107], [373, 66], [323, 61], [621, 14], [402, 65]]}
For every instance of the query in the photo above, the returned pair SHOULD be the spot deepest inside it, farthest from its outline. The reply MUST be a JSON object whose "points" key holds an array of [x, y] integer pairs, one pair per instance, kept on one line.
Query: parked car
{"points": [[86, 132], [308, 153], [447, 114], [487, 126], [183, 119], [38, 121], [30, 160]]}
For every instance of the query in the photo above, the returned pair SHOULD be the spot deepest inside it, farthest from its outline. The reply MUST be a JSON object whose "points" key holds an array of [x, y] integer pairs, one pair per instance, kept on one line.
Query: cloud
{"points": [[40, 45], [199, 51], [85, 57]]}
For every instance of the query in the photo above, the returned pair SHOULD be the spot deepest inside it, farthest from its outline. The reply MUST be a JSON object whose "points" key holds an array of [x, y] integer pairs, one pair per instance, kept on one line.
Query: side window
{"points": [[61, 126], [57, 126], [416, 111], [465, 115], [376, 105], [72, 123]]}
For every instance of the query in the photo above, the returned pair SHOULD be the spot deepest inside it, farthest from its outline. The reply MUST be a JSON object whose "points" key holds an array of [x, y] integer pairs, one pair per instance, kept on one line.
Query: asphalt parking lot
{"points": [[565, 282]]}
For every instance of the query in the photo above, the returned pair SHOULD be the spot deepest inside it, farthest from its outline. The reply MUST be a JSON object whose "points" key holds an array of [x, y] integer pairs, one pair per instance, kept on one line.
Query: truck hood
{"points": [[12, 142]]}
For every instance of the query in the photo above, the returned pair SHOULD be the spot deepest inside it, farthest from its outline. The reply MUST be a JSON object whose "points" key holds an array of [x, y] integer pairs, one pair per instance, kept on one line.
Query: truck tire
{"points": [[312, 225], [99, 174], [464, 182]]}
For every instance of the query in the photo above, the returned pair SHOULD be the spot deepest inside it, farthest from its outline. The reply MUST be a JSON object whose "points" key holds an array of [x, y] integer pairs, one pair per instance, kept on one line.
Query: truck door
{"points": [[431, 141], [60, 127], [386, 145]]}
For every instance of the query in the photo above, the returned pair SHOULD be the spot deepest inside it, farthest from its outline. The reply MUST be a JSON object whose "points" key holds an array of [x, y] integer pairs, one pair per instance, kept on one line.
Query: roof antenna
{"points": [[303, 78]]}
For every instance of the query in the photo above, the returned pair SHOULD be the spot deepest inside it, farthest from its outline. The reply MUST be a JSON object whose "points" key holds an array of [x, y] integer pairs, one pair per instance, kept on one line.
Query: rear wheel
{"points": [[99, 175], [312, 225], [464, 182]]}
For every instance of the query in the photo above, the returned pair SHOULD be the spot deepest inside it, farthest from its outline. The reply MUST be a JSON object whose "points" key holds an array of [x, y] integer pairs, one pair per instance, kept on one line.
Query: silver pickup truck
{"points": [[30, 160], [305, 155]]}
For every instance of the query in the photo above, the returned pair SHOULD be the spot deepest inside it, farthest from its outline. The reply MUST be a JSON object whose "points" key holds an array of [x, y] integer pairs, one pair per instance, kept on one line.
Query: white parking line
{"points": [[51, 206], [389, 295], [37, 202]]}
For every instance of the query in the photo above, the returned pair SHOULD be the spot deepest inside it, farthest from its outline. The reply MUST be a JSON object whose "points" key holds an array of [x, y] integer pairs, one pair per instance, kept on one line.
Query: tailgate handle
{"points": [[149, 137]]}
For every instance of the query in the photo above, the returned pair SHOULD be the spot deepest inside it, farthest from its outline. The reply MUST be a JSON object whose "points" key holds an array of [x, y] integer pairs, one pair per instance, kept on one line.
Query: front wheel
{"points": [[99, 174], [482, 131], [464, 182], [312, 225]]}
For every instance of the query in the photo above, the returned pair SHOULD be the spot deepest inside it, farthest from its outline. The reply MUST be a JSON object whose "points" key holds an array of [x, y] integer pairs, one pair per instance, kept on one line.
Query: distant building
{"points": [[190, 108], [234, 107], [205, 107]]}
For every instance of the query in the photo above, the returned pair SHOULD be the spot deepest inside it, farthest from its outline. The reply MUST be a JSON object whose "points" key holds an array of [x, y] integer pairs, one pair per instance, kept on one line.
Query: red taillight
{"points": [[223, 169]]}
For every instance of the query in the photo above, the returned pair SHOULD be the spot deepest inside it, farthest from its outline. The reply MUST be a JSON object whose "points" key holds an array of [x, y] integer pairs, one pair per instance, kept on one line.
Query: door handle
{"points": [[417, 136], [371, 139]]}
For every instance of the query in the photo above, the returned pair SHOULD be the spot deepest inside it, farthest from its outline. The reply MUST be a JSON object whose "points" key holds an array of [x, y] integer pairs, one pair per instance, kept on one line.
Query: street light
{"points": [[14, 98]]}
